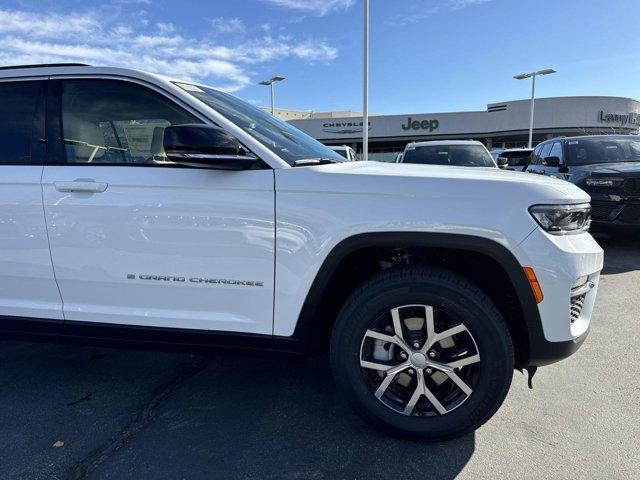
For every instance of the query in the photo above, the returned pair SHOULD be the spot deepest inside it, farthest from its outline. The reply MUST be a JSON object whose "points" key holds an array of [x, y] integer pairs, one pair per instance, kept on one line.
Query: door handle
{"points": [[86, 186]]}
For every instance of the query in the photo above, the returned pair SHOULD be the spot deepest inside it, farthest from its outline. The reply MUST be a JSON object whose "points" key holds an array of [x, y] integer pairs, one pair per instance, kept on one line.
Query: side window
{"points": [[556, 151], [535, 156], [116, 122], [18, 116], [544, 153]]}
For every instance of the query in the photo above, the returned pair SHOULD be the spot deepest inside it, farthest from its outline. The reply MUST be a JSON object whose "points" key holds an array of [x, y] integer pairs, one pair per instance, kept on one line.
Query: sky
{"points": [[426, 55]]}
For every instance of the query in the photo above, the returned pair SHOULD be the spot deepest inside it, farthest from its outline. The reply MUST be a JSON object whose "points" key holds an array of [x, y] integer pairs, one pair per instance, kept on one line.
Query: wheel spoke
{"points": [[381, 367], [391, 375], [460, 383], [417, 393], [436, 337], [429, 321], [387, 338], [464, 361], [397, 323], [434, 401]]}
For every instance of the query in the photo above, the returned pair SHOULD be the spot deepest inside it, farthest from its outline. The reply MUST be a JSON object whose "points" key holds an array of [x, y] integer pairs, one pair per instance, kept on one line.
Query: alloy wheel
{"points": [[419, 360]]}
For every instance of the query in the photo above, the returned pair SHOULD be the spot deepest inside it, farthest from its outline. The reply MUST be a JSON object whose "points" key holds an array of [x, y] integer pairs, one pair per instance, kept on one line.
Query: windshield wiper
{"points": [[304, 162]]}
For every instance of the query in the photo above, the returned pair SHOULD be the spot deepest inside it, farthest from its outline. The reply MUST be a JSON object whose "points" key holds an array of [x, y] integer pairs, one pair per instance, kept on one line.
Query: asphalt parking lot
{"points": [[70, 412]]}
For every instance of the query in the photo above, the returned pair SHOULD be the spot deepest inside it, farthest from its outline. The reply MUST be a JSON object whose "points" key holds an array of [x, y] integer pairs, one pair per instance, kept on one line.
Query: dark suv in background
{"points": [[605, 166]]}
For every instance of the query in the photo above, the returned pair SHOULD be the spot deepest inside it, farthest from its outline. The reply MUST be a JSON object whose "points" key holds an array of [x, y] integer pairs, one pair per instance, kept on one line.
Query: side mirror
{"points": [[205, 146], [551, 161], [503, 162]]}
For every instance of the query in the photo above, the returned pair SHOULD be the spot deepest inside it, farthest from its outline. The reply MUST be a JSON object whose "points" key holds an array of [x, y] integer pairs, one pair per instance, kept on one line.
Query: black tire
{"points": [[457, 297]]}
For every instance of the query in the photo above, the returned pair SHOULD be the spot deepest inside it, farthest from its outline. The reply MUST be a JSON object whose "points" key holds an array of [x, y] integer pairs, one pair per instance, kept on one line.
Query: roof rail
{"points": [[41, 65]]}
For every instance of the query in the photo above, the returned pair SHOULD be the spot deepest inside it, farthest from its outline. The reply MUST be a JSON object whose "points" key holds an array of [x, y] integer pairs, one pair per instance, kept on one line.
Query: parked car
{"points": [[346, 151], [166, 214], [605, 166], [459, 153], [514, 159]]}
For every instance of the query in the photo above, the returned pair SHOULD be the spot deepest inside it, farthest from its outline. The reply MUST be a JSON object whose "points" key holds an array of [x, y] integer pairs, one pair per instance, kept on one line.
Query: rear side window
{"points": [[18, 127], [116, 122]]}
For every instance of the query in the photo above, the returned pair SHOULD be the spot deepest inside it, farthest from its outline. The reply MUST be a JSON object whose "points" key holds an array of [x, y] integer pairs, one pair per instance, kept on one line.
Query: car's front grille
{"points": [[576, 307], [604, 210], [630, 214], [632, 186]]}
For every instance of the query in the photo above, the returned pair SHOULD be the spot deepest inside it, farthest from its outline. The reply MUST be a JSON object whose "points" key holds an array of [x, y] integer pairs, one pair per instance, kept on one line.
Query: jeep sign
{"points": [[430, 125]]}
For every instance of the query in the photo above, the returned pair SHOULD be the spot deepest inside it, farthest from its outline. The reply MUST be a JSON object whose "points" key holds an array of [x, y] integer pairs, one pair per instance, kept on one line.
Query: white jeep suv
{"points": [[139, 211]]}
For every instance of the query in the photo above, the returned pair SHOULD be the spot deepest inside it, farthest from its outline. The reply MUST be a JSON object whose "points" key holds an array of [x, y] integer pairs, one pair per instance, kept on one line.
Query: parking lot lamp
{"points": [[270, 83], [533, 75]]}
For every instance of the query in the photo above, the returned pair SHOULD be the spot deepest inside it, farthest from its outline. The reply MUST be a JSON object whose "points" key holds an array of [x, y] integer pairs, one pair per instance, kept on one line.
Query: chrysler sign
{"points": [[343, 127], [346, 127]]}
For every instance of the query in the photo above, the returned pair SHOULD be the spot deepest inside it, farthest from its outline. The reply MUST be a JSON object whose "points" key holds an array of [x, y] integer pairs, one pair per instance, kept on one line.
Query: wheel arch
{"points": [[312, 324]]}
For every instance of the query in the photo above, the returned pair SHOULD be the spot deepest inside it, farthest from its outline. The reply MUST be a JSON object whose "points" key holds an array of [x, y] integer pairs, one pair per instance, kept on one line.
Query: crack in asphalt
{"points": [[143, 418]]}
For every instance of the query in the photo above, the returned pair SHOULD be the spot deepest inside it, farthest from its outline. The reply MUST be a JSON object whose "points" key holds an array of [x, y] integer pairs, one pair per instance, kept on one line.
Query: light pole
{"points": [[533, 75], [270, 83], [365, 96]]}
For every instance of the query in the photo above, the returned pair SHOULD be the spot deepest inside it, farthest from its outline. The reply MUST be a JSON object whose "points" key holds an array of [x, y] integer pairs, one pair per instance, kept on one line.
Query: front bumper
{"points": [[560, 261]]}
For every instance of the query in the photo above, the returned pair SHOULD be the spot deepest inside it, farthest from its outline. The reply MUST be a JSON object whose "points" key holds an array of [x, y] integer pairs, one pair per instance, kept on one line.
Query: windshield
{"points": [[603, 150], [342, 151], [458, 155], [517, 159], [280, 137]]}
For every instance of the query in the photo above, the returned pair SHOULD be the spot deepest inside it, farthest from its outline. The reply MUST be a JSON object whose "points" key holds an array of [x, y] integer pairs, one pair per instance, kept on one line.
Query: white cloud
{"points": [[318, 7], [223, 25], [458, 4], [28, 37], [419, 10]]}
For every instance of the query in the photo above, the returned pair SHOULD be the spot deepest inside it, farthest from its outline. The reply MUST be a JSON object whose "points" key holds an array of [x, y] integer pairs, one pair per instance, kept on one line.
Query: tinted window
{"points": [[535, 156], [556, 150], [18, 104], [517, 158], [114, 122], [544, 153], [344, 153], [603, 150], [458, 155]]}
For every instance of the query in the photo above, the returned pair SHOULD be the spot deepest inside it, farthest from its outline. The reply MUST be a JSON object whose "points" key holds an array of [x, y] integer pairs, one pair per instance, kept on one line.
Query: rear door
{"points": [[137, 240], [27, 284]]}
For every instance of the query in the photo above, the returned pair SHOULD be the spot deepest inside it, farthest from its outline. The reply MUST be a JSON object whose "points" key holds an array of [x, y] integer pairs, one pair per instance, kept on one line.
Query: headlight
{"points": [[604, 181], [562, 219]]}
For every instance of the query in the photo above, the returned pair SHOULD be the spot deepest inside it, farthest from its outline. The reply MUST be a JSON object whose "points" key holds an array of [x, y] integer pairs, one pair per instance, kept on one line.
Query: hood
{"points": [[470, 185], [611, 168]]}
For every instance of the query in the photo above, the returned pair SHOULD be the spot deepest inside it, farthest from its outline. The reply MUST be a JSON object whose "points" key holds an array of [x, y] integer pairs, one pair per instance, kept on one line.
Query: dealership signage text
{"points": [[632, 118], [412, 124]]}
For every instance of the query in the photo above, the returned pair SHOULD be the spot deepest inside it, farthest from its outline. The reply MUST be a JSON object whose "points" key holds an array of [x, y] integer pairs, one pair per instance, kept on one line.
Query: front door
{"points": [[137, 240], [27, 285]]}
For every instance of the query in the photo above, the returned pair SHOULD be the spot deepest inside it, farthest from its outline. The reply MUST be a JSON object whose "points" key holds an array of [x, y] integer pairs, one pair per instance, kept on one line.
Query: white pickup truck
{"points": [[141, 211]]}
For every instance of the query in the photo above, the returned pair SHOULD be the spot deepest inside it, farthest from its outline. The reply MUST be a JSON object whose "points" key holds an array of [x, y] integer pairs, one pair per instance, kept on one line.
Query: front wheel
{"points": [[422, 353]]}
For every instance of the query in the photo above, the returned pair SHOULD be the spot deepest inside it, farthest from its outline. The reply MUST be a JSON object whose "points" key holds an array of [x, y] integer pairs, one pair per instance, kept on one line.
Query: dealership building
{"points": [[501, 125]]}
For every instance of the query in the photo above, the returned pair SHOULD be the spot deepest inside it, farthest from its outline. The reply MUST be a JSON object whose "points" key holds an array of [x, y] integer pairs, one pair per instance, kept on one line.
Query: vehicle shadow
{"points": [[125, 414], [621, 253], [275, 419]]}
